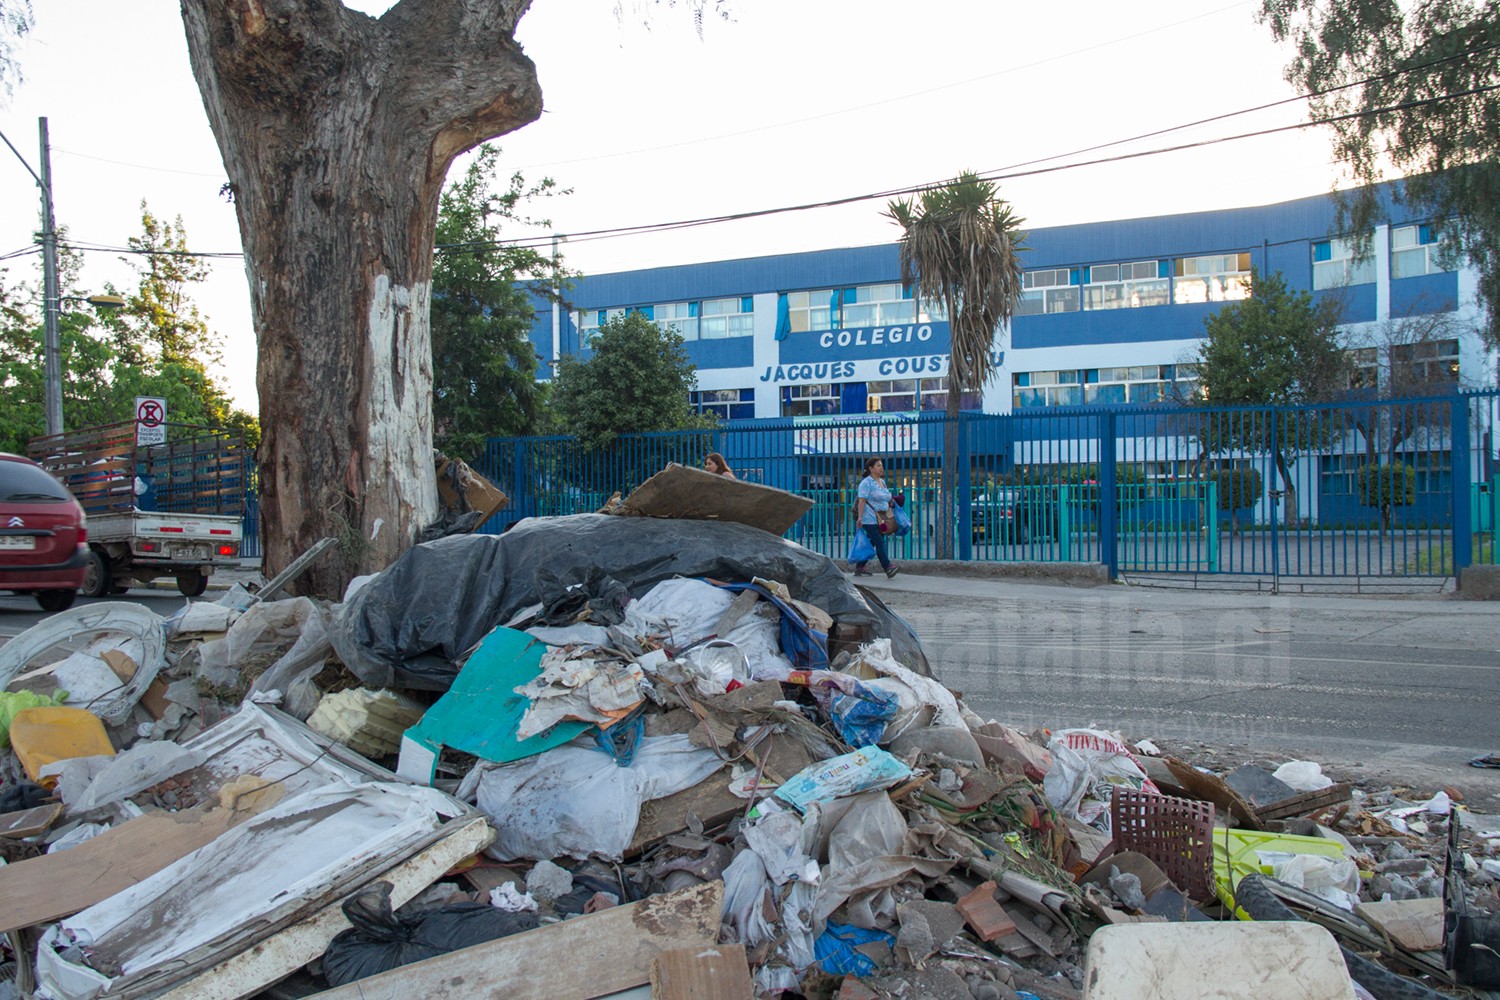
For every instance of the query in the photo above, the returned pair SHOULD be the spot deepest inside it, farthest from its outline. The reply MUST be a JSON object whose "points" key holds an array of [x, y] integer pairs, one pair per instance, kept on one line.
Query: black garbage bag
{"points": [[380, 940], [409, 625]]}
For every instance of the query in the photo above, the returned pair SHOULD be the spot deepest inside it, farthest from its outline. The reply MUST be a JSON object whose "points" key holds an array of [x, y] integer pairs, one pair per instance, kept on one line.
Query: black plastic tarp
{"points": [[410, 625]]}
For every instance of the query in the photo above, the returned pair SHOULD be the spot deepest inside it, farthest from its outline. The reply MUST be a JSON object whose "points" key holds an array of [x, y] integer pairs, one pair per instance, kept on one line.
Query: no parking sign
{"points": [[150, 420]]}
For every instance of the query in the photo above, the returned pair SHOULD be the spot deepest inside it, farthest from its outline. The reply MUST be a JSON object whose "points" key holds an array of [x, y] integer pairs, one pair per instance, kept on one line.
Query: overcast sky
{"points": [[792, 102]]}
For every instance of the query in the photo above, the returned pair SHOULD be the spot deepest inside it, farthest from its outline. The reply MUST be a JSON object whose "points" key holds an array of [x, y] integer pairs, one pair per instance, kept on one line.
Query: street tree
{"points": [[1275, 348], [1408, 88], [483, 363], [961, 245], [337, 131], [637, 378], [1400, 370]]}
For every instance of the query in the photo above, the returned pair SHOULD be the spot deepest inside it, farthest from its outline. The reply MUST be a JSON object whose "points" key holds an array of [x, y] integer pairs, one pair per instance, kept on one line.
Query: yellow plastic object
{"points": [[1237, 853], [55, 732]]}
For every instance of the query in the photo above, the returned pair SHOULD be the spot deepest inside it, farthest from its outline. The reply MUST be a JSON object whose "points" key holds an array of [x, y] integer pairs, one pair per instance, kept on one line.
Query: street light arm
{"points": [[40, 183]]}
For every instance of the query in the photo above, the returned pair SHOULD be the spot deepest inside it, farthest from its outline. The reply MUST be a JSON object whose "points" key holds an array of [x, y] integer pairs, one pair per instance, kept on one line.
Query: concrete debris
{"points": [[719, 772]]}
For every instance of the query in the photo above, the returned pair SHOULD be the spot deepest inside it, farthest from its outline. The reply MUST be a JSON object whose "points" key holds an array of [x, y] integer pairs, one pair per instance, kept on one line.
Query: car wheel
{"points": [[55, 600], [191, 584], [98, 581]]}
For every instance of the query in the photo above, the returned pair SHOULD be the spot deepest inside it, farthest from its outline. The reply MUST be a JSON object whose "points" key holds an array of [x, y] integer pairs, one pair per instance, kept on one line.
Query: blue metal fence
{"points": [[1373, 488]]}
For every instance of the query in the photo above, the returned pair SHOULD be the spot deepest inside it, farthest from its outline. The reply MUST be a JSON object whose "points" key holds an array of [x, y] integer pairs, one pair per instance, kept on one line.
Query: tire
{"points": [[55, 600], [191, 584], [99, 581]]}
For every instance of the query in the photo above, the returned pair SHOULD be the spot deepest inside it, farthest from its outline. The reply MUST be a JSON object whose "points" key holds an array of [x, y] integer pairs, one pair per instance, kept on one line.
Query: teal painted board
{"points": [[481, 711]]}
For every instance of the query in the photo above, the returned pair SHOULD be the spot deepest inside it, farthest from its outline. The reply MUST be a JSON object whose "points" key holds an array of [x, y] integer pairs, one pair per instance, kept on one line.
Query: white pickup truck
{"points": [[169, 510]]}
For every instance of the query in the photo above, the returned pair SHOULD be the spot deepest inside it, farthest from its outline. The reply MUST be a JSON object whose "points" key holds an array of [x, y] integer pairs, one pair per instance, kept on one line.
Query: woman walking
{"points": [[872, 512]]}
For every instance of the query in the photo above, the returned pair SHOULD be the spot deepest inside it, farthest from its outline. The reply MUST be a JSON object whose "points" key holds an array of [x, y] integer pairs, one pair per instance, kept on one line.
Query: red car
{"points": [[43, 535]]}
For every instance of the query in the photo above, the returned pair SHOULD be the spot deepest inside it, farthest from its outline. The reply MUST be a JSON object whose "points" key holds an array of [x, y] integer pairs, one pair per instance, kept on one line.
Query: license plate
{"points": [[25, 542]]}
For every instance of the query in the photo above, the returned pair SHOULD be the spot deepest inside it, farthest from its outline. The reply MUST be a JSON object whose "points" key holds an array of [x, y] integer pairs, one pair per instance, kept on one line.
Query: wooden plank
{"points": [[720, 973], [53, 886], [29, 822], [1305, 802], [1413, 924], [588, 956], [699, 495], [711, 800], [266, 962]]}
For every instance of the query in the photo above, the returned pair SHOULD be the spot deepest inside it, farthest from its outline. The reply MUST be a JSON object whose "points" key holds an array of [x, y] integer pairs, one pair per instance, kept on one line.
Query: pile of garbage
{"points": [[646, 756]]}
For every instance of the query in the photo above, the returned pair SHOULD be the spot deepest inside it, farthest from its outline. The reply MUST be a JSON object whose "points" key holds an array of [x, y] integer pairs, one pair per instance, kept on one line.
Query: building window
{"points": [[726, 404], [862, 306], [909, 394], [877, 305], [812, 311], [1364, 368], [1105, 386], [1415, 250], [1335, 265], [724, 318], [1215, 278], [809, 400], [1434, 469], [1337, 476], [1054, 388], [1049, 291], [1127, 286], [590, 320], [1430, 361], [675, 317]]}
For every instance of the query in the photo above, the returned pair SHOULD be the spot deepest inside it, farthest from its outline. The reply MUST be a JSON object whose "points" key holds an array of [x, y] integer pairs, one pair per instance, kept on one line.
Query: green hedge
{"points": [[1383, 486]]}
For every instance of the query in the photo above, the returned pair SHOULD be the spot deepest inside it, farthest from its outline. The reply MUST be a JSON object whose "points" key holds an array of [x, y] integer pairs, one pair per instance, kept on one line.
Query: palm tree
{"points": [[961, 246]]}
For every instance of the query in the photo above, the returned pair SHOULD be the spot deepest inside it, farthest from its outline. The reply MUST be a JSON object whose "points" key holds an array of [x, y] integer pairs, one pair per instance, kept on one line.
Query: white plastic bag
{"points": [[1303, 775], [1333, 879], [1087, 765], [576, 800]]}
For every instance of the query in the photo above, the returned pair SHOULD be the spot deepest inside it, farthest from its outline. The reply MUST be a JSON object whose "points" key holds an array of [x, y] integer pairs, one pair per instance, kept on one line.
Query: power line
{"points": [[1011, 172]]}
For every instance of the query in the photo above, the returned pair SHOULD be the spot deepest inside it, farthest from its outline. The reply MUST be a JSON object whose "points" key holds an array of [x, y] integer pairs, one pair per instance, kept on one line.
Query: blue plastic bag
{"points": [[835, 949], [861, 549], [861, 717], [903, 522]]}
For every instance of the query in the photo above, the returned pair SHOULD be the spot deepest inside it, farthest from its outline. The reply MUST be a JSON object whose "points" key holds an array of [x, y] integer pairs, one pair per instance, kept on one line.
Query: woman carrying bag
{"points": [[872, 512]]}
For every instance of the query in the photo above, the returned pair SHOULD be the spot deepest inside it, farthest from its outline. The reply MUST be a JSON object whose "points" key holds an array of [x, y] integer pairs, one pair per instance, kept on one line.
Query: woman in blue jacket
{"points": [[872, 511]]}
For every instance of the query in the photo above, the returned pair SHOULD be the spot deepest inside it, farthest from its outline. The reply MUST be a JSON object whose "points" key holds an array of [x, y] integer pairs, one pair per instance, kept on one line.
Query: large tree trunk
{"points": [[337, 131]]}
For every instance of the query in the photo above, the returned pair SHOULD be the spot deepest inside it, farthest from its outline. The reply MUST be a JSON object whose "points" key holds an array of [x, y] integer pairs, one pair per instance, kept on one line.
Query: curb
{"points": [[1068, 574]]}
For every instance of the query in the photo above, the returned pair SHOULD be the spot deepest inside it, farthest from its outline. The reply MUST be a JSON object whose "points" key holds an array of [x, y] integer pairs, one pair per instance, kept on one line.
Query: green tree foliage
{"points": [[102, 374], [483, 362], [1409, 87], [961, 245], [160, 320], [637, 379], [1275, 348], [1386, 487]]}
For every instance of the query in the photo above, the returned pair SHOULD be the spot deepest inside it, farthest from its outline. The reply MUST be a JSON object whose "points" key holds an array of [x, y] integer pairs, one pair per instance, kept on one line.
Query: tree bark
{"points": [[337, 131]]}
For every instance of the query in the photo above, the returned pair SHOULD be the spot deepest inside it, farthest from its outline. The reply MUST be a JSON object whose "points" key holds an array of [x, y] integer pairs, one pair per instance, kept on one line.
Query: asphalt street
{"points": [[1408, 686]]}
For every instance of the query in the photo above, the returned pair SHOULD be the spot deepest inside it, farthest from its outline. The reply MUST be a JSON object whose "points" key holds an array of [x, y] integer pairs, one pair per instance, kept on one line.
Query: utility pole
{"points": [[51, 346]]}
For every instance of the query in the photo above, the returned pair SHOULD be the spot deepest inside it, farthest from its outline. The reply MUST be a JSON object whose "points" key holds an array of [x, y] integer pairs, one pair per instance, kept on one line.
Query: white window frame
{"points": [[1223, 277], [1341, 268], [1049, 290], [1407, 250], [721, 319], [1133, 285]]}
